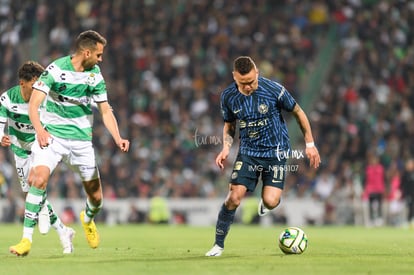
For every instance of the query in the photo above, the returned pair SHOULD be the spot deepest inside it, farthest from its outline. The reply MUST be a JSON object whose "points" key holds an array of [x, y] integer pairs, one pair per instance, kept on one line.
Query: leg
{"points": [[273, 182], [226, 217], [371, 207], [34, 201], [410, 203], [65, 233], [38, 184], [82, 161], [93, 190], [271, 196], [227, 212], [246, 179]]}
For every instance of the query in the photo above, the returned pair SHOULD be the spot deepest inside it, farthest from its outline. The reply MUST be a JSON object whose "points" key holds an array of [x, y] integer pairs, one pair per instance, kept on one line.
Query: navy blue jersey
{"points": [[263, 131]]}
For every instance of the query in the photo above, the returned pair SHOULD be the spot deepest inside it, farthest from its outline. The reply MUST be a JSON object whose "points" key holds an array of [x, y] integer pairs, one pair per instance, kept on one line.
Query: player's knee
{"points": [[39, 181], [271, 203], [233, 202]]}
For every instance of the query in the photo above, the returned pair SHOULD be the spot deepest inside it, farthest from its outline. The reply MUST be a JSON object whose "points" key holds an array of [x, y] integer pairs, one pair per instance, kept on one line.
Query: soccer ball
{"points": [[293, 240]]}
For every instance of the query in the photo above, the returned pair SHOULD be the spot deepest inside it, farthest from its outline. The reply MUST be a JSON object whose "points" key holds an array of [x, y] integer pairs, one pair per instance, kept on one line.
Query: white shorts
{"points": [[22, 168], [79, 155]]}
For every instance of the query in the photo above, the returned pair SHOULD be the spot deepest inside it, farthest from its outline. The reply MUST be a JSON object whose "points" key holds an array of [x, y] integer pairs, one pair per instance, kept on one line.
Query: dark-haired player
{"points": [[257, 104], [67, 89], [14, 104]]}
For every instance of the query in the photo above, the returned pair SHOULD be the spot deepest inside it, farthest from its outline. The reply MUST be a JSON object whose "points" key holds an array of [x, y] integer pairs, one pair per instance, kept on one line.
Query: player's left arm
{"points": [[311, 151], [111, 124]]}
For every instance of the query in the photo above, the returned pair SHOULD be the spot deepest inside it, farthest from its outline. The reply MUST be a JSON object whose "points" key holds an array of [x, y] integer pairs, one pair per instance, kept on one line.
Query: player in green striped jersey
{"points": [[63, 128], [14, 104]]}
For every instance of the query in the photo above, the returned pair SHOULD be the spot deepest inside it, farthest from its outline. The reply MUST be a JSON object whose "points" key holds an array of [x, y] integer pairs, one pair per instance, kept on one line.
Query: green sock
{"points": [[34, 202], [91, 211]]}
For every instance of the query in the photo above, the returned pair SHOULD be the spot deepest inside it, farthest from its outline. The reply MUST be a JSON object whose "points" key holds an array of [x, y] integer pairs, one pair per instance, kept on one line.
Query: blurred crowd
{"points": [[167, 61]]}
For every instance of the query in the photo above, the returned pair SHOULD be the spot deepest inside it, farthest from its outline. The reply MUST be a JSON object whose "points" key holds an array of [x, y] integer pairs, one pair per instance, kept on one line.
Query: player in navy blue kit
{"points": [[257, 104]]}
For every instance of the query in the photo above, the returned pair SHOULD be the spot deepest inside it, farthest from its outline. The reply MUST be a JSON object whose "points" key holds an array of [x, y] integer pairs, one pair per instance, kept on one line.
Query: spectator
{"points": [[374, 189], [407, 189]]}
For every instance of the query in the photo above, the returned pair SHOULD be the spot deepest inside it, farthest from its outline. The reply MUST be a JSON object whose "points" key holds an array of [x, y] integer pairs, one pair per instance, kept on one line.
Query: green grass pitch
{"points": [[168, 249]]}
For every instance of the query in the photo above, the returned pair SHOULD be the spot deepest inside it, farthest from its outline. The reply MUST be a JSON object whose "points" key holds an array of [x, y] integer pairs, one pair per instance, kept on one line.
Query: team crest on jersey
{"points": [[91, 79], [263, 108]]}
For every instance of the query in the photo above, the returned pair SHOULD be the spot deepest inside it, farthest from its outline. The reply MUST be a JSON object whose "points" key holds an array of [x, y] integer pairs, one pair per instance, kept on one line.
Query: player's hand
{"points": [[221, 157], [123, 144], [313, 156], [5, 141], [43, 138]]}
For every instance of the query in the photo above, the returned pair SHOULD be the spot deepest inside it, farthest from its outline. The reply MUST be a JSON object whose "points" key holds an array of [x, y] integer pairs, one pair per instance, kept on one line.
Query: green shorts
{"points": [[248, 170]]}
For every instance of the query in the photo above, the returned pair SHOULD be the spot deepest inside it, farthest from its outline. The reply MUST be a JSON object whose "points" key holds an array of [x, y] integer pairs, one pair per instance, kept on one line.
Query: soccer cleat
{"points": [[215, 251], [22, 248], [44, 220], [262, 210], [91, 233], [66, 240]]}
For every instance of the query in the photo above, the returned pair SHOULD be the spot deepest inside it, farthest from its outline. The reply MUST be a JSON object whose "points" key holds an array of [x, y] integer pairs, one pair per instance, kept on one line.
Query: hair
{"points": [[30, 70], [243, 65], [88, 40]]}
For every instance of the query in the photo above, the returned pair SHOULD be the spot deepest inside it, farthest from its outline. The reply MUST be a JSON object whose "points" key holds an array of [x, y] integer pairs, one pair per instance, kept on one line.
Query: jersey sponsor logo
{"points": [[257, 123], [62, 88], [20, 126], [253, 134], [63, 76], [62, 98]]}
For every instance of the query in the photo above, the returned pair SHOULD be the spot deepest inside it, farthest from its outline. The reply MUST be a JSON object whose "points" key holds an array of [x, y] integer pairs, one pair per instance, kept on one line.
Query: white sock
{"points": [[59, 226], [28, 233]]}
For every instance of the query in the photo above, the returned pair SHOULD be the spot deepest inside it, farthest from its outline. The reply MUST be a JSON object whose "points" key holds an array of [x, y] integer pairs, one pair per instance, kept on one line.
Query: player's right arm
{"points": [[229, 130], [3, 117], [4, 139], [36, 100]]}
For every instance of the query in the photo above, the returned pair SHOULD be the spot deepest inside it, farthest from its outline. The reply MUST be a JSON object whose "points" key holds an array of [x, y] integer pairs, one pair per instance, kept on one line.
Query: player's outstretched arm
{"points": [[311, 151], [111, 124]]}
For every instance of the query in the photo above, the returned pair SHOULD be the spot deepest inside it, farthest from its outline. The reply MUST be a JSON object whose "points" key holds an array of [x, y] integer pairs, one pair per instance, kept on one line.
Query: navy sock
{"points": [[225, 219]]}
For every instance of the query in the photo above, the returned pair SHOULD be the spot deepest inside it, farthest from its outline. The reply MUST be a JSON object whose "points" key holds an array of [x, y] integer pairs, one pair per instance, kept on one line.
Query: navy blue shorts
{"points": [[248, 170]]}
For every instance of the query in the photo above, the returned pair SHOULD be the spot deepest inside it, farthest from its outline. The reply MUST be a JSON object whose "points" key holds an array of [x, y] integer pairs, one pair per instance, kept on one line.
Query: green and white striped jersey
{"points": [[67, 109], [14, 112]]}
